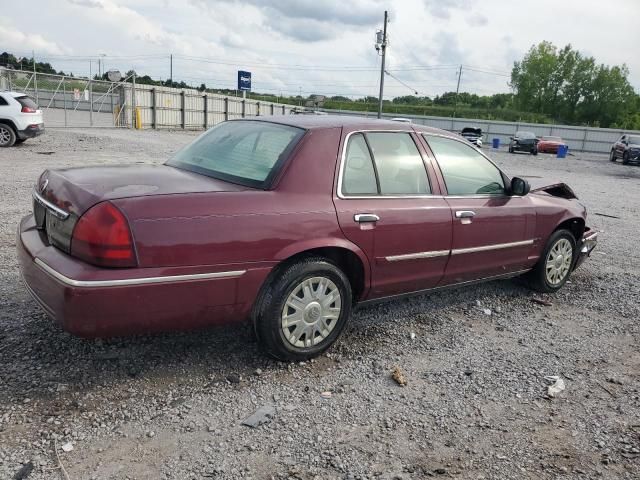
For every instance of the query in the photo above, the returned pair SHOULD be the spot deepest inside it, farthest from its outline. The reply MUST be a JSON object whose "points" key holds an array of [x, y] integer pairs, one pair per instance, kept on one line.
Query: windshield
{"points": [[635, 139], [525, 135], [474, 131], [244, 152]]}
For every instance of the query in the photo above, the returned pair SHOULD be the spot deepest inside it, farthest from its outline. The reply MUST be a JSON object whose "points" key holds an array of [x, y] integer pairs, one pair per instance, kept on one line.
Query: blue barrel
{"points": [[562, 151], [496, 143]]}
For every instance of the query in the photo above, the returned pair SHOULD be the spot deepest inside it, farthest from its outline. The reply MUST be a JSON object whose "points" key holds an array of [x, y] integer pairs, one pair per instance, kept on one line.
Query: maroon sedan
{"points": [[288, 222]]}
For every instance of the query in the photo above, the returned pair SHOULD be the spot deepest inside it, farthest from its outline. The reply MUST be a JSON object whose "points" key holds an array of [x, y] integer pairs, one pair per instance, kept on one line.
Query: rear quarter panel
{"points": [[248, 226]]}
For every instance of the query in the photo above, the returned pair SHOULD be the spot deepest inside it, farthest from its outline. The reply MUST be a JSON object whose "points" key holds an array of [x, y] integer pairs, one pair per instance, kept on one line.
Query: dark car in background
{"points": [[627, 148], [473, 134], [524, 142]]}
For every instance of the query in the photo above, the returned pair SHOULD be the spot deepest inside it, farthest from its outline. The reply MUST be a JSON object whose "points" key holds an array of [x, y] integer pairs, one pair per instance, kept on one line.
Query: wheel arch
{"points": [[575, 225], [346, 255], [6, 121]]}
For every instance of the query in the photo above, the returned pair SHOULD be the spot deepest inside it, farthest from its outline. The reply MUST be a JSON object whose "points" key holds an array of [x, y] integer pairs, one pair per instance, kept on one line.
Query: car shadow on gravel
{"points": [[50, 360]]}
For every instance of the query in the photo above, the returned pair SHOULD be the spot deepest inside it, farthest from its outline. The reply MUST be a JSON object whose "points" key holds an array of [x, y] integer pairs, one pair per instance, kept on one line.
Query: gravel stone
{"points": [[476, 406]]}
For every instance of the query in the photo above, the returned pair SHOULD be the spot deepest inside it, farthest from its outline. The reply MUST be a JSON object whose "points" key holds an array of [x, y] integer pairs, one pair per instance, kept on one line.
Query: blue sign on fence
{"points": [[244, 80]]}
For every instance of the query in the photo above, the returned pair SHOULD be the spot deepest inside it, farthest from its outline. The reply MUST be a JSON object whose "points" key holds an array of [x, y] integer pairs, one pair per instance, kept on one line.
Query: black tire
{"points": [[269, 308], [612, 156], [537, 278], [511, 150], [7, 135], [534, 151], [625, 158]]}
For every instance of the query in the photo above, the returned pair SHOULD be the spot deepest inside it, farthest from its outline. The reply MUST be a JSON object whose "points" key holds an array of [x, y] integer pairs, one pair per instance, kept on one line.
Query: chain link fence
{"points": [[80, 102]]}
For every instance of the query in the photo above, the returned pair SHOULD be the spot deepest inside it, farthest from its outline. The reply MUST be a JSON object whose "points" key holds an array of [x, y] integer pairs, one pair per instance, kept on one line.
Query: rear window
{"points": [[27, 102], [249, 153], [525, 135]]}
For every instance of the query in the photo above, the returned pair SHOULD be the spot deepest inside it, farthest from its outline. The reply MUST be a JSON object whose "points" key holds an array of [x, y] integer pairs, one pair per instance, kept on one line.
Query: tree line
{"points": [[549, 85]]}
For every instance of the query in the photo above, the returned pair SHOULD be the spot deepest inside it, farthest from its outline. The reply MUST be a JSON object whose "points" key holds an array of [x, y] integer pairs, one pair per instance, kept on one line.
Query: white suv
{"points": [[20, 118]]}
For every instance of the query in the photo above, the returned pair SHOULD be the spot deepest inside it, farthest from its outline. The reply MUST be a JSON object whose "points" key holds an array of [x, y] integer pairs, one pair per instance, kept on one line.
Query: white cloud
{"points": [[28, 41], [266, 36]]}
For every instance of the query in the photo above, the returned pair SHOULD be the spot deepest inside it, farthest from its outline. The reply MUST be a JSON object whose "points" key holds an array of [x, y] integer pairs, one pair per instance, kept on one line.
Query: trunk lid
{"points": [[77, 189], [61, 196]]}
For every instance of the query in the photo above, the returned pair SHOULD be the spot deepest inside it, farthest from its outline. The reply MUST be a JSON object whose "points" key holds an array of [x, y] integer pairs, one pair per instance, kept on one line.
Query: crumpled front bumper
{"points": [[585, 246]]}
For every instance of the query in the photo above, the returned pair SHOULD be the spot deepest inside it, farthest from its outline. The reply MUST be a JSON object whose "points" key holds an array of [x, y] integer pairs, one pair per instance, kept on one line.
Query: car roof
{"points": [[14, 94], [311, 122]]}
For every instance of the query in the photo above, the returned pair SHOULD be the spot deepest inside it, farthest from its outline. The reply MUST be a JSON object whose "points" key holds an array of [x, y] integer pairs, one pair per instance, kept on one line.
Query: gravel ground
{"points": [[475, 404]]}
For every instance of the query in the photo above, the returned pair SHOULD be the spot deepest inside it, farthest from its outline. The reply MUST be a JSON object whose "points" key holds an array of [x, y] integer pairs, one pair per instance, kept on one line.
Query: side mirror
{"points": [[519, 187], [510, 138]]}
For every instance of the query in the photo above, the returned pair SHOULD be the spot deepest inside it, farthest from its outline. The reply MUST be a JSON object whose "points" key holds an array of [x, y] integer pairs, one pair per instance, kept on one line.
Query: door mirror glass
{"points": [[519, 186]]}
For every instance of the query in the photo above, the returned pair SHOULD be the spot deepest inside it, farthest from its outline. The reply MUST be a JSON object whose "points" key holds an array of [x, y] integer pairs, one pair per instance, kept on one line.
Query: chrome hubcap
{"points": [[311, 312], [4, 136], [558, 261]]}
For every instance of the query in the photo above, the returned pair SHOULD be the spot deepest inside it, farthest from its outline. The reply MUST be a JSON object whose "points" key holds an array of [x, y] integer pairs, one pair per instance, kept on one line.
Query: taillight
{"points": [[102, 237], [28, 110]]}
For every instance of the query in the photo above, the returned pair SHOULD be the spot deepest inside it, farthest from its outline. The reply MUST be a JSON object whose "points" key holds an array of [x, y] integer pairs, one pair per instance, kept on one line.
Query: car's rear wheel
{"points": [[534, 151], [554, 266], [7, 135], [303, 310], [625, 158], [612, 156]]}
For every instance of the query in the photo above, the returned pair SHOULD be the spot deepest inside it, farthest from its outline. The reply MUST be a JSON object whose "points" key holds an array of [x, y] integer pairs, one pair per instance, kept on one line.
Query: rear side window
{"points": [[396, 167], [27, 102], [465, 171], [359, 175], [400, 167], [245, 152]]}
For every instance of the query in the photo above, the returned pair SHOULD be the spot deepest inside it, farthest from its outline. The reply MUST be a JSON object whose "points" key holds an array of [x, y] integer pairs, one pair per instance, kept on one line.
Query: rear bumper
{"points": [[31, 131], [90, 301], [586, 245]]}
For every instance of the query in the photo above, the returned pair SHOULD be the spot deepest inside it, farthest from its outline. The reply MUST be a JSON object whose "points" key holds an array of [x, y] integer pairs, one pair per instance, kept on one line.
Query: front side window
{"points": [[244, 152], [465, 171]]}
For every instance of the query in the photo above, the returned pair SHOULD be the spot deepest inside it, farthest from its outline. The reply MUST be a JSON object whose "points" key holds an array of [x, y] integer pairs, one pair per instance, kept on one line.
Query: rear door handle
{"points": [[366, 217], [465, 214]]}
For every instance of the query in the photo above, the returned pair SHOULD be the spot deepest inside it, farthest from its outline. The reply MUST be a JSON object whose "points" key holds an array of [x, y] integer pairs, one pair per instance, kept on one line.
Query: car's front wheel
{"points": [[303, 310], [7, 135], [625, 158], [534, 151], [554, 266], [612, 156]]}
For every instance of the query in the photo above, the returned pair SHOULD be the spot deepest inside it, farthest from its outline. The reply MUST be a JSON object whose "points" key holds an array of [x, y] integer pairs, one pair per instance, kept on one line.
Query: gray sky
{"points": [[320, 46]]}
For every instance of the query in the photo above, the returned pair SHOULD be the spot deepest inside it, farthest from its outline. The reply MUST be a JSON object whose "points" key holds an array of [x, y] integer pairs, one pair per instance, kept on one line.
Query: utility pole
{"points": [[35, 78], [383, 47], [457, 91], [171, 69]]}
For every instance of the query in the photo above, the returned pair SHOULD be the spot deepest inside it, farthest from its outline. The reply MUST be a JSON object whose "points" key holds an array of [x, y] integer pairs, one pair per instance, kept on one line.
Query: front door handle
{"points": [[465, 214], [366, 217]]}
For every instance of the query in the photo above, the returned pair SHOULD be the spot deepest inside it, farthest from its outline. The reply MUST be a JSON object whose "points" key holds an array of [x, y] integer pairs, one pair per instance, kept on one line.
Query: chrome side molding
{"points": [[134, 281], [485, 248], [415, 256]]}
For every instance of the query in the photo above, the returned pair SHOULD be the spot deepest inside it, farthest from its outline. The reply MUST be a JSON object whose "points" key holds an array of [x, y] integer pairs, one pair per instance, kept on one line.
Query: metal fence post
{"points": [[244, 105], [183, 109], [133, 101], [205, 111], [258, 109], [272, 109], [90, 103], [154, 109], [584, 139], [226, 108], [64, 99]]}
